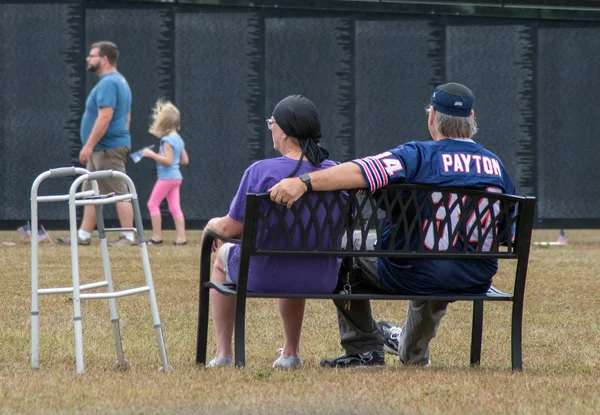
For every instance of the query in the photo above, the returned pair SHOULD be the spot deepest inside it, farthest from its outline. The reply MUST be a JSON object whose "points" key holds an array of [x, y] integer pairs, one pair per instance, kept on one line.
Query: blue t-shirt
{"points": [[172, 172], [445, 163], [288, 274], [112, 91]]}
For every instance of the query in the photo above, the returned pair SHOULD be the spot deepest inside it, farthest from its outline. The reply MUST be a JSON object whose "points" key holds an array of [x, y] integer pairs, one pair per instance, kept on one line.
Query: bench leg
{"points": [[202, 325], [517, 336], [240, 336], [476, 334]]}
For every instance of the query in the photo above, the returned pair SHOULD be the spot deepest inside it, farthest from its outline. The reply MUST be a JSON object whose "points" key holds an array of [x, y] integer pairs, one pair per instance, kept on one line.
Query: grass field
{"points": [[561, 344]]}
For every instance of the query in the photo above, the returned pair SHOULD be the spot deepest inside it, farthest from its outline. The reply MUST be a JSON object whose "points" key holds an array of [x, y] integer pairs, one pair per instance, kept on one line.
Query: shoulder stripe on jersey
{"points": [[374, 172], [364, 168], [370, 167], [379, 170]]}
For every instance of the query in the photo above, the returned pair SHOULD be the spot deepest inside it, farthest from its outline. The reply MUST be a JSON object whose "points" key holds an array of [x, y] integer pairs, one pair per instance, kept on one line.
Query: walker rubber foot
{"points": [[118, 367]]}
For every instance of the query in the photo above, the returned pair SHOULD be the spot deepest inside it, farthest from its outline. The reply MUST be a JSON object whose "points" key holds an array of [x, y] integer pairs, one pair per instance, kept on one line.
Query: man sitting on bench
{"points": [[452, 159]]}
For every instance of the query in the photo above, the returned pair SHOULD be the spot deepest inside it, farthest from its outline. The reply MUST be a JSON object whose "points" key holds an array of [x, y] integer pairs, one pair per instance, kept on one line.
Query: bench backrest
{"points": [[409, 221], [421, 221]]}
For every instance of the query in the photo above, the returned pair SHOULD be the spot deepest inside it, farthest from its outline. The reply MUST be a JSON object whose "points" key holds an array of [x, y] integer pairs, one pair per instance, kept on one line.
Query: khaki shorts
{"points": [[111, 159], [224, 252]]}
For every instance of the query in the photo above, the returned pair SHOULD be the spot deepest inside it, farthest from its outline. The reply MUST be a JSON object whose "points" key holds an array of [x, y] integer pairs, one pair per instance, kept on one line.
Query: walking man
{"points": [[105, 137]]}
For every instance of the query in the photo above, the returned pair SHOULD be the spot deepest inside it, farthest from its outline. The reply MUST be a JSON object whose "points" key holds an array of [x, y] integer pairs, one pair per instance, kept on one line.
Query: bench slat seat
{"points": [[493, 294]]}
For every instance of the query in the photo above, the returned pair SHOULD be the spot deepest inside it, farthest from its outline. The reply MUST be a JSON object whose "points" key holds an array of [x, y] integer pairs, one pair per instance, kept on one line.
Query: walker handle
{"points": [[100, 175], [63, 172]]}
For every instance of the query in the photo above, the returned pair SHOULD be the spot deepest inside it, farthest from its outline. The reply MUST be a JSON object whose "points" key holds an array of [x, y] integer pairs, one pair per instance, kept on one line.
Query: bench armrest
{"points": [[205, 251], [215, 235]]}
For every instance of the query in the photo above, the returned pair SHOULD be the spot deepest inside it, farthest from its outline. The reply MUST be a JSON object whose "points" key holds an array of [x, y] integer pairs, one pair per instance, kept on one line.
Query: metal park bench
{"points": [[445, 222]]}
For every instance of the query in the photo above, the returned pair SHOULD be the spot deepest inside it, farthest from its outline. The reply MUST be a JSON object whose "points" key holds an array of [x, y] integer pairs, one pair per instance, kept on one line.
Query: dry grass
{"points": [[561, 345]]}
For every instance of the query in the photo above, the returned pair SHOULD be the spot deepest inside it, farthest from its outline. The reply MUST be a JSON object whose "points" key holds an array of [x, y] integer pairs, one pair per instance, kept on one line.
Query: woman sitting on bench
{"points": [[296, 132]]}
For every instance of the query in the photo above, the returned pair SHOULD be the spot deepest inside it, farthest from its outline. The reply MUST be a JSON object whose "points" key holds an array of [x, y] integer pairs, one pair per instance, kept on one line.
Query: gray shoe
{"points": [[219, 362], [66, 240], [123, 241], [392, 335], [287, 363]]}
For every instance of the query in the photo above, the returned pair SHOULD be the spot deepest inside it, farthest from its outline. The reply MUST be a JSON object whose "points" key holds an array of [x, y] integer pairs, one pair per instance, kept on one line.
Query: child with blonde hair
{"points": [[166, 121]]}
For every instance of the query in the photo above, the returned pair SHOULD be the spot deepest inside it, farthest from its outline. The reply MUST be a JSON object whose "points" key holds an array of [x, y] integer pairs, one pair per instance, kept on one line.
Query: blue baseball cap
{"points": [[453, 99]]}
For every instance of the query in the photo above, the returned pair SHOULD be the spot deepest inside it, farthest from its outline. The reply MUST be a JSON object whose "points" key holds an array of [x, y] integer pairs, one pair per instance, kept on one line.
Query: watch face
{"points": [[305, 178]]}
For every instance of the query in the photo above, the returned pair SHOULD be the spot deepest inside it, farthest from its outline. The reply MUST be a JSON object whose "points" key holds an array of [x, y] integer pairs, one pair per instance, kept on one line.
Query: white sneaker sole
{"points": [[389, 350]]}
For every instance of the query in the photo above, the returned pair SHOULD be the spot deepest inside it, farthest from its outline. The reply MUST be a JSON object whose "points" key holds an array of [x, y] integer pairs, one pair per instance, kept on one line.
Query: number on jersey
{"points": [[392, 164]]}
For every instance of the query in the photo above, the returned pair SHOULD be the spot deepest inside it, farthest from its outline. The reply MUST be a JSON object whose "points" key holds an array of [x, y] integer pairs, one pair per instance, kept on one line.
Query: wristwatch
{"points": [[306, 180]]}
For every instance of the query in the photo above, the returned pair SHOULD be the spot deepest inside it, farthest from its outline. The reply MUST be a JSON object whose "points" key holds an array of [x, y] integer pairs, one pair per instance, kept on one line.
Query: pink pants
{"points": [[170, 190]]}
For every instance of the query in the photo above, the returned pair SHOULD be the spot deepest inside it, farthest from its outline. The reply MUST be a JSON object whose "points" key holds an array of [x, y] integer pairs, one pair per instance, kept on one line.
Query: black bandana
{"points": [[298, 117]]}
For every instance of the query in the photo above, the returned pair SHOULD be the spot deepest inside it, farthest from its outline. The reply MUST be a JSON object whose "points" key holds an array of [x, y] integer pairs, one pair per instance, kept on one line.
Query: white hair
{"points": [[454, 127]]}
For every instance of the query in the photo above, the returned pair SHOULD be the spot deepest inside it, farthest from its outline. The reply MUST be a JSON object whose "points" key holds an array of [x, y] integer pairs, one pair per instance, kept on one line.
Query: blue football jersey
{"points": [[445, 163]]}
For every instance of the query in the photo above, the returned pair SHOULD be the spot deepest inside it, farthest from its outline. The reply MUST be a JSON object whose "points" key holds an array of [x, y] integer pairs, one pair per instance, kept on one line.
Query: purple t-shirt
{"points": [[286, 274]]}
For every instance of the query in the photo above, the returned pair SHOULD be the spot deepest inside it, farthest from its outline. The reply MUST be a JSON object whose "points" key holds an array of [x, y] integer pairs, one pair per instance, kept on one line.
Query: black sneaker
{"points": [[391, 336], [370, 358]]}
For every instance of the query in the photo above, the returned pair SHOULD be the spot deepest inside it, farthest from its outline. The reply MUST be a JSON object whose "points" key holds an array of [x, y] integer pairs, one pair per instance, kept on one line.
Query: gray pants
{"points": [[359, 332]]}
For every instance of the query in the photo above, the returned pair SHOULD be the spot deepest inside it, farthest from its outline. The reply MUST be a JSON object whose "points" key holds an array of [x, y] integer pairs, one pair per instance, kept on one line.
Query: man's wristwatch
{"points": [[306, 180]]}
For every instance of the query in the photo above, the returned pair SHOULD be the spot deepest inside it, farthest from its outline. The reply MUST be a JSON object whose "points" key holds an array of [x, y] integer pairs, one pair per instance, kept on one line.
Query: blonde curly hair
{"points": [[165, 118]]}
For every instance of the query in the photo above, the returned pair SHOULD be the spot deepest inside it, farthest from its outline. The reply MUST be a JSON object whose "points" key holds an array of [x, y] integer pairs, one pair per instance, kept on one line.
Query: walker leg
{"points": [[76, 298], [160, 341], [35, 340], [35, 322], [78, 342], [121, 363]]}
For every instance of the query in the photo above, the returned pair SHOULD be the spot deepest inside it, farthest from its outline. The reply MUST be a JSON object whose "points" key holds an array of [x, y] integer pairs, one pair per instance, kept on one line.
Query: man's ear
{"points": [[472, 113]]}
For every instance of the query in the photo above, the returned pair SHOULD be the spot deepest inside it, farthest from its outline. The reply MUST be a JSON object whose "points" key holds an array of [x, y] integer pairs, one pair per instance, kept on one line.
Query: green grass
{"points": [[561, 347]]}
